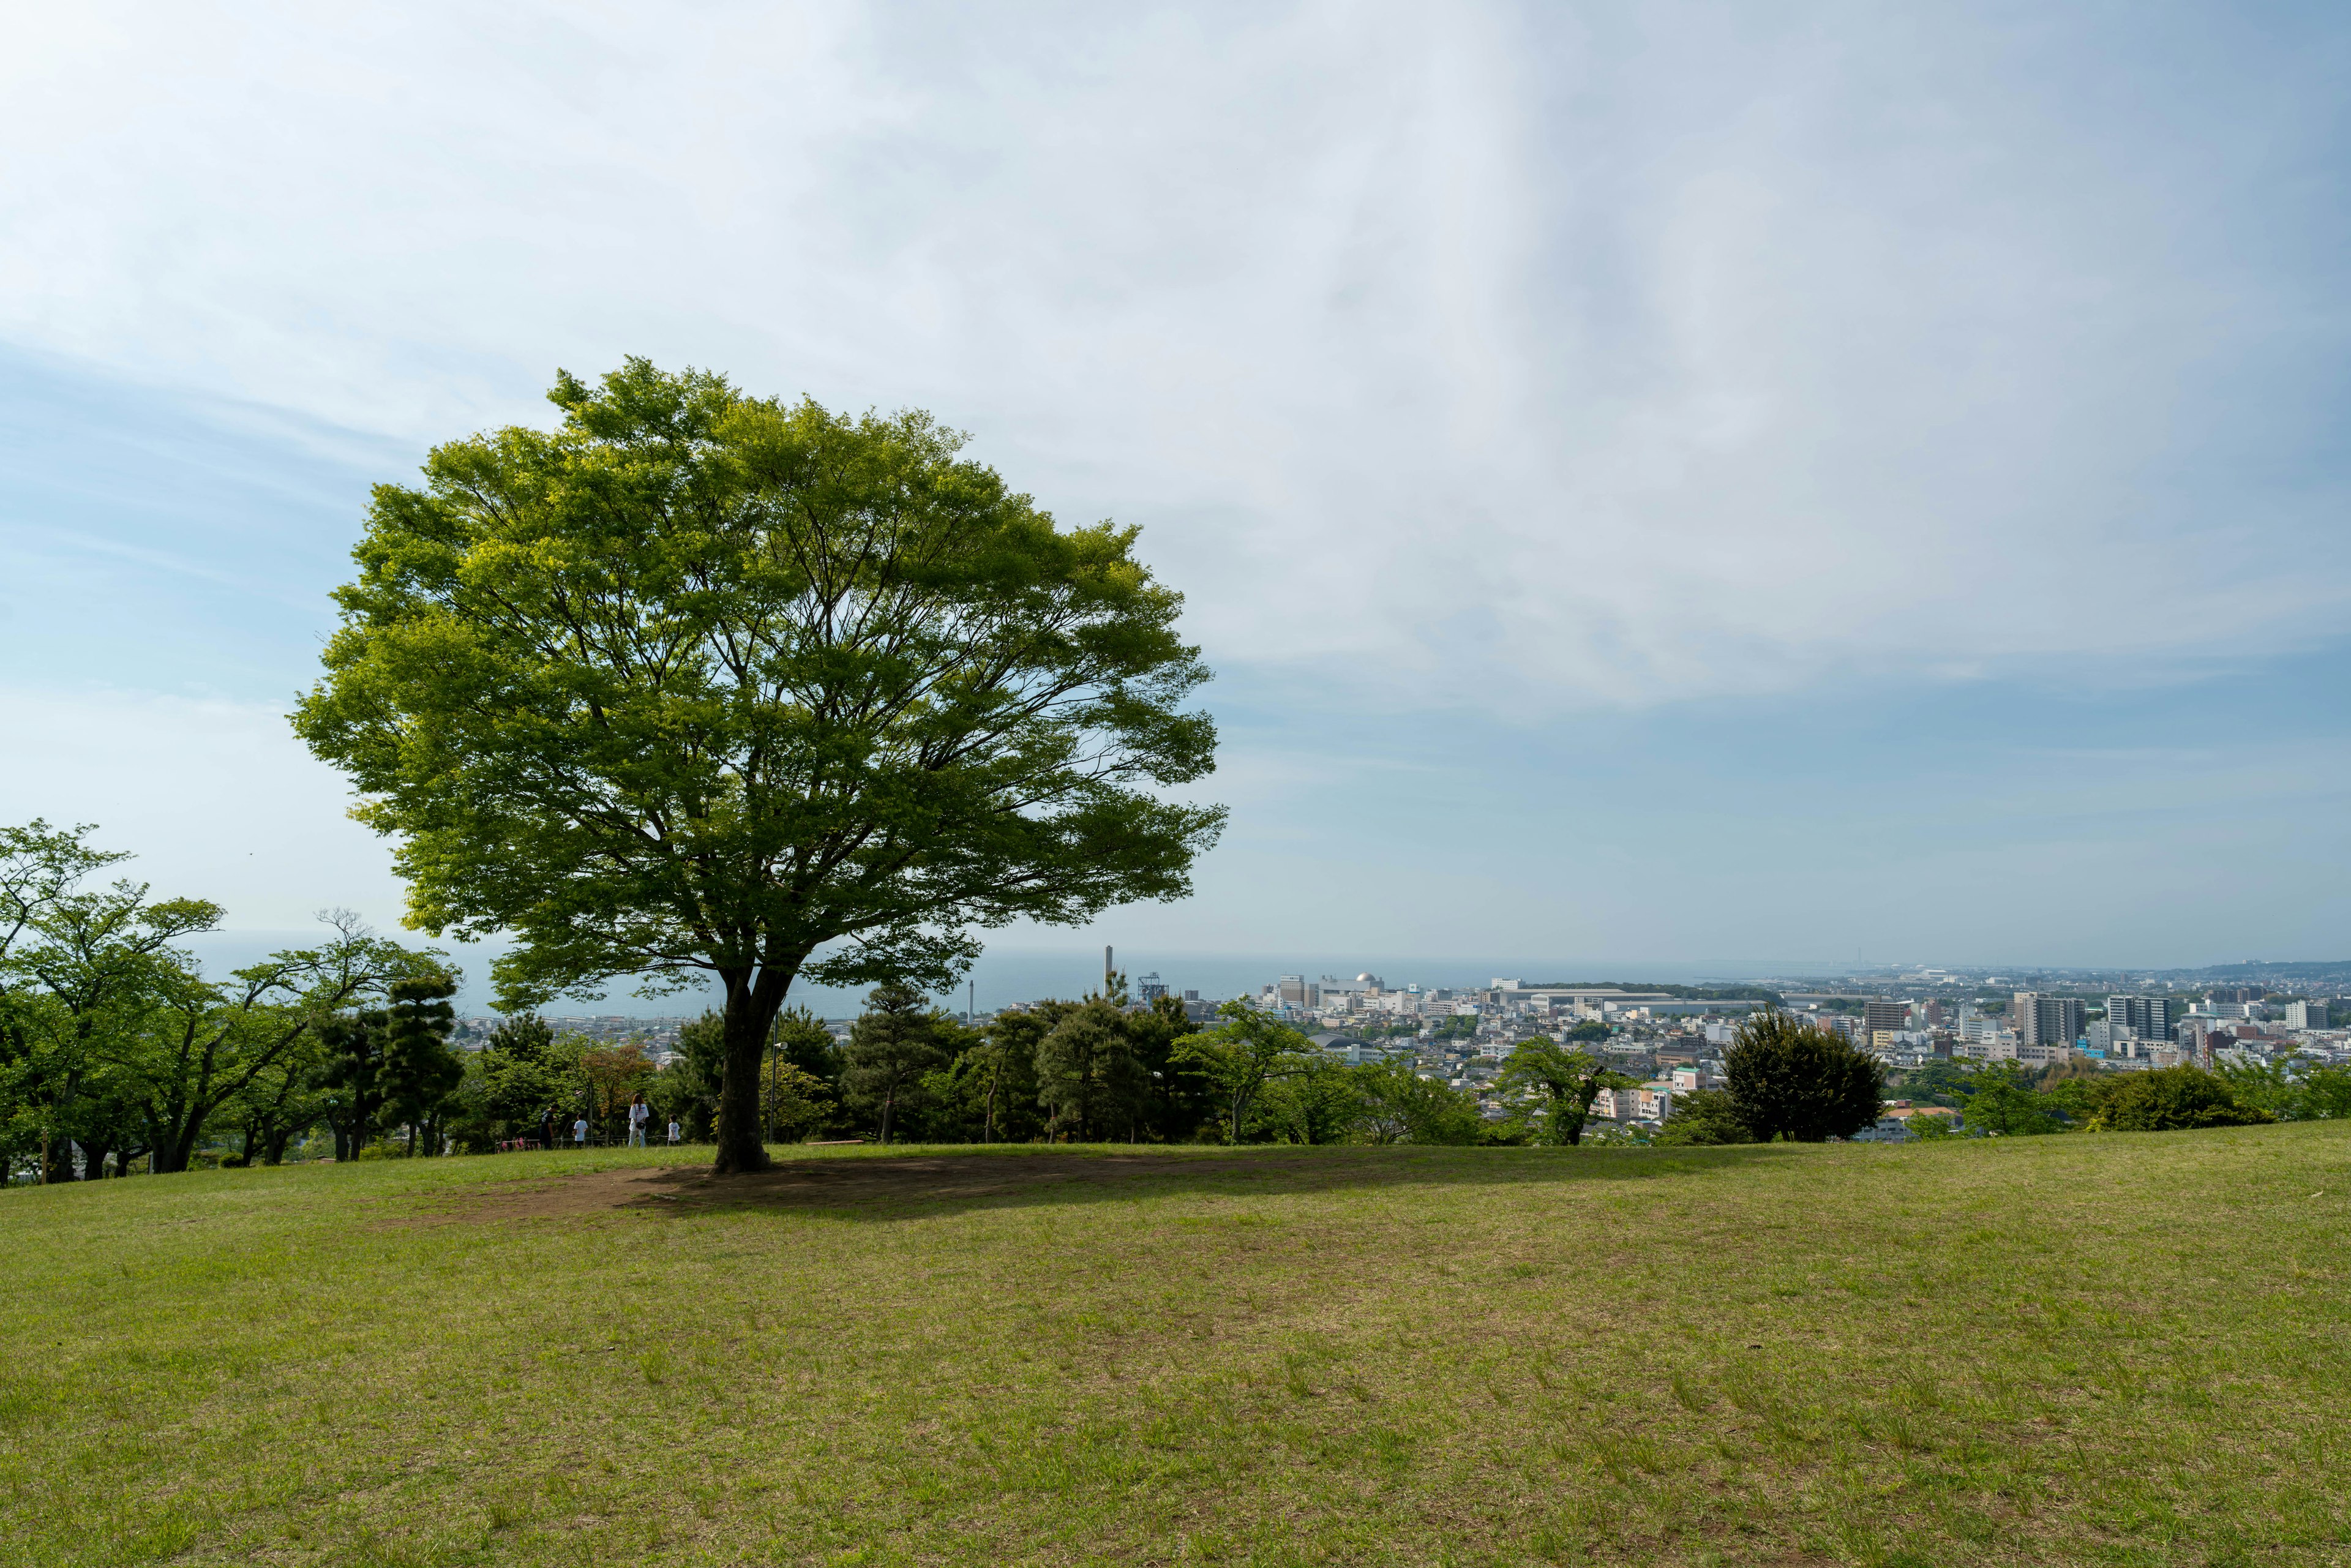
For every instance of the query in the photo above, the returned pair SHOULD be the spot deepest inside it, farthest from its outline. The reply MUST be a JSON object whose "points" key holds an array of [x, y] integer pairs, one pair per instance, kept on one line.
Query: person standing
{"points": [[580, 1132], [672, 1131], [639, 1114]]}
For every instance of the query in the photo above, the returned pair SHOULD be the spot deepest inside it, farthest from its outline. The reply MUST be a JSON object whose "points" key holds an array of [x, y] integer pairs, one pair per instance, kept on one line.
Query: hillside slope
{"points": [[2125, 1349]]}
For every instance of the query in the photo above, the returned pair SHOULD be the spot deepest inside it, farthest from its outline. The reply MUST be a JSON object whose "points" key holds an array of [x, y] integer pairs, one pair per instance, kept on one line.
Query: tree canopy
{"points": [[704, 685], [1563, 1080], [1788, 1079]]}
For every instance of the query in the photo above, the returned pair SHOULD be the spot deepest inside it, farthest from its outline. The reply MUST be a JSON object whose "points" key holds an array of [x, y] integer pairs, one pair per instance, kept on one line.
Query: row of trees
{"points": [[2011, 1101], [1089, 1071], [1786, 1079], [114, 1041]]}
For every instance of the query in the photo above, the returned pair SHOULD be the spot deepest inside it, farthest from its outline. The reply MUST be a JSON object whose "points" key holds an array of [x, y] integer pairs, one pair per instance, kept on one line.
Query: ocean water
{"points": [[1009, 975]]}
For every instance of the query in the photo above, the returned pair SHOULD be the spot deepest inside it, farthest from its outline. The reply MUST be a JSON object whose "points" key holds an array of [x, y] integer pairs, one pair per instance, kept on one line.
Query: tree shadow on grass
{"points": [[931, 1182]]}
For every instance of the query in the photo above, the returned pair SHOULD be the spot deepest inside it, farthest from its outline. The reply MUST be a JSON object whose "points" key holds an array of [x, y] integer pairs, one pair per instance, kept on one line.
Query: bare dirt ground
{"points": [[829, 1183]]}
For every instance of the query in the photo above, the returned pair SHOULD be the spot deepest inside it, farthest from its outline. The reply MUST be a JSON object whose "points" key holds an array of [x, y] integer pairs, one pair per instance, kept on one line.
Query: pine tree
{"points": [[890, 1049], [1088, 1075], [420, 1071]]}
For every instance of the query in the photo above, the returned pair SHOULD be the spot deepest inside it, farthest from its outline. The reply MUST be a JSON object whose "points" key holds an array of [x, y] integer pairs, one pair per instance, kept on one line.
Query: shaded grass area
{"points": [[2115, 1349]]}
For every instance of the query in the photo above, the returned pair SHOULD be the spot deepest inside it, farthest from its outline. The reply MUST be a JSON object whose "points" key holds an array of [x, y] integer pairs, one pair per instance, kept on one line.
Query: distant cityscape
{"points": [[1672, 1037]]}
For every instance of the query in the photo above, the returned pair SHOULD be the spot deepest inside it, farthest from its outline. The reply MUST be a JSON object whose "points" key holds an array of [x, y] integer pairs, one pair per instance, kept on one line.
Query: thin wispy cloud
{"points": [[1585, 356]]}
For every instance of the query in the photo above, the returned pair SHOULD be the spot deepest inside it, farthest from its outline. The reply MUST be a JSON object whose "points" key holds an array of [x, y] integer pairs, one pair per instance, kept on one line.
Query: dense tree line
{"points": [[1787, 1078], [116, 1047]]}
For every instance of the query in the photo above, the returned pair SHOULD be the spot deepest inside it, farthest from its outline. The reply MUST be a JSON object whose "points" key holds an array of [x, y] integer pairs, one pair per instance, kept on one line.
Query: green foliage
{"points": [[1402, 1107], [1460, 1026], [1241, 1055], [2003, 1107], [420, 1071], [1563, 1083], [1321, 1103], [1589, 1030], [1790, 1080], [352, 1078], [1704, 1116], [2326, 1093], [1001, 1097], [1931, 1129], [806, 1043], [517, 1079], [1087, 1075], [2173, 1098], [2299, 1089], [891, 1047], [706, 684], [799, 1102], [1938, 1082]]}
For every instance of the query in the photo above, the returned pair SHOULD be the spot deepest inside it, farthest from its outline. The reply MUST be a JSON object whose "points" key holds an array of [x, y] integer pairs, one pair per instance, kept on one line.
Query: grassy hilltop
{"points": [[2125, 1349]]}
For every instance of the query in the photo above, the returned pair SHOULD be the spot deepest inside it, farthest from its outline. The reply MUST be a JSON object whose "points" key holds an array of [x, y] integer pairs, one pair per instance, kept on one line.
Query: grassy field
{"points": [[2083, 1349]]}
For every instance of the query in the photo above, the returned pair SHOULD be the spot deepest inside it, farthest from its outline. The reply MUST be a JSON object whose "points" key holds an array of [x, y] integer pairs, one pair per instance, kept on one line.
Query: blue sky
{"points": [[1661, 484]]}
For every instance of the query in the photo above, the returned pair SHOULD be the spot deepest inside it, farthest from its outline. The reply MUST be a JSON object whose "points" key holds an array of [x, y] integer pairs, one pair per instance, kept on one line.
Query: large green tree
{"points": [[707, 685]]}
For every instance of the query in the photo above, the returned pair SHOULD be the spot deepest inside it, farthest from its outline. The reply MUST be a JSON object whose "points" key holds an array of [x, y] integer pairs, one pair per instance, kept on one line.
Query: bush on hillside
{"points": [[1704, 1116], [2006, 1107], [2174, 1098], [1788, 1079]]}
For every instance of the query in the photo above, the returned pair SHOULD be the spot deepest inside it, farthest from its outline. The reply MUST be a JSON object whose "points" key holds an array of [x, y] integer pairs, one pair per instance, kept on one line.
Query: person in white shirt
{"points": [[579, 1132], [639, 1114], [673, 1133]]}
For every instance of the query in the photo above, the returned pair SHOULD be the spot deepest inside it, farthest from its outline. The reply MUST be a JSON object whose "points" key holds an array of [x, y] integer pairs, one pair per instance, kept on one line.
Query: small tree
{"points": [[612, 1074], [1087, 1073], [1704, 1116], [890, 1049], [1242, 1055], [799, 1102], [1323, 1103], [1563, 1082], [420, 1071], [1400, 1106], [1002, 1080], [2002, 1104], [351, 1079], [1790, 1080], [808, 1045], [521, 1075]]}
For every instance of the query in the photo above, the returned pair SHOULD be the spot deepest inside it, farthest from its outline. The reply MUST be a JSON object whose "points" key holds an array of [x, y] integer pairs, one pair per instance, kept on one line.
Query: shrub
{"points": [[1788, 1079], [1704, 1116], [2174, 1098]]}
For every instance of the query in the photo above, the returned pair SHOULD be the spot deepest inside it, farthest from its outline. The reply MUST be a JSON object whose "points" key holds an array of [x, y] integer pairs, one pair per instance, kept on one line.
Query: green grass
{"points": [[2083, 1349]]}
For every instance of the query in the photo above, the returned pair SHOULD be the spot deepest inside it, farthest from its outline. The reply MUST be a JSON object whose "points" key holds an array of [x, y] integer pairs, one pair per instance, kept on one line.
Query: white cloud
{"points": [[1463, 353]]}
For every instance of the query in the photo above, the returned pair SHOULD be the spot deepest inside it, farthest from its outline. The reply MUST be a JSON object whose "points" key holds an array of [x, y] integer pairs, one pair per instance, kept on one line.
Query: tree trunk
{"points": [[753, 1000]]}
